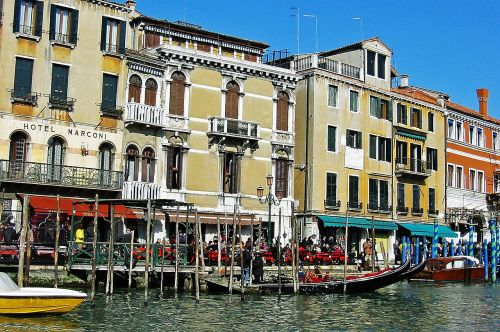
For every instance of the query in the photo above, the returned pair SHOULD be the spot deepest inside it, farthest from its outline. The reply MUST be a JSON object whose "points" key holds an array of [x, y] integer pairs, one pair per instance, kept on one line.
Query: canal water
{"points": [[410, 307]]}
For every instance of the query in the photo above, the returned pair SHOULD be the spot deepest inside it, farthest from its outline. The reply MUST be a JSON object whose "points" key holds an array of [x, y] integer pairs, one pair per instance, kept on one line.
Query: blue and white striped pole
{"points": [[417, 249], [466, 248], [493, 250], [471, 240], [498, 244], [459, 247], [403, 249], [485, 260], [435, 240], [424, 241], [452, 248], [445, 248], [408, 243]]}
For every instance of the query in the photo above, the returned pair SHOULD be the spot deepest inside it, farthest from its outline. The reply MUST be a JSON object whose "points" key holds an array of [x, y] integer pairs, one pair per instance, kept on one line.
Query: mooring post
{"points": [[202, 254], [485, 260], [374, 251], [162, 267], [242, 281], [279, 249], [233, 241], [176, 272], [493, 250], [29, 233], [218, 246], [111, 262], [197, 257], [22, 240], [108, 268], [295, 249], [56, 247], [148, 247], [251, 250], [345, 248], [131, 261], [94, 252]]}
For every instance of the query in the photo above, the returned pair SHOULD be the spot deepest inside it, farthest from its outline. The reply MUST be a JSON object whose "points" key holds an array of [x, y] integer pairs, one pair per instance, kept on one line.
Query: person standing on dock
{"points": [[247, 258], [368, 251], [258, 268]]}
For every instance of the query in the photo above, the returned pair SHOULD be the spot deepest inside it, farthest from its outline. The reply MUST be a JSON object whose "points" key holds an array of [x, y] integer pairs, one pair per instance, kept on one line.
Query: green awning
{"points": [[427, 230], [410, 135], [339, 221]]}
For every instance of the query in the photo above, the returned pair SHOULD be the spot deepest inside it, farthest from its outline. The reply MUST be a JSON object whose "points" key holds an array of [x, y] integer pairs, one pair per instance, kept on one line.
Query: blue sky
{"points": [[447, 45]]}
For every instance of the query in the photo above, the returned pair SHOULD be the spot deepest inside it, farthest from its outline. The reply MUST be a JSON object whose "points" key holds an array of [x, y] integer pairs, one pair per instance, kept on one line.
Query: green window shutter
{"points": [[109, 88], [388, 151], [331, 188], [74, 27], [432, 199], [399, 113], [331, 138], [379, 108], [419, 113], [103, 33], [416, 196], [123, 31], [39, 18], [384, 195], [401, 194], [23, 77], [373, 147], [52, 32], [59, 82], [389, 110], [17, 13], [373, 193], [373, 106], [358, 140]]}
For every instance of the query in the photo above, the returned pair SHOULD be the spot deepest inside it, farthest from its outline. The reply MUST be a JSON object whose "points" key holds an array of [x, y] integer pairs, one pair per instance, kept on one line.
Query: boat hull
{"points": [[10, 305], [469, 274]]}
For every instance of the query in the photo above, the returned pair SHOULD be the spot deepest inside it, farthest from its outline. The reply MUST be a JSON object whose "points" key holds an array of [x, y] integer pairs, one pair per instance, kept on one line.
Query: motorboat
{"points": [[455, 268], [36, 300]]}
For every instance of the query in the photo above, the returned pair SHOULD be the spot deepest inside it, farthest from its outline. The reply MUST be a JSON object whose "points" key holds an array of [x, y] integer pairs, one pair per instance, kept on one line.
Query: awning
{"points": [[48, 204], [427, 230], [211, 218], [411, 135], [339, 221]]}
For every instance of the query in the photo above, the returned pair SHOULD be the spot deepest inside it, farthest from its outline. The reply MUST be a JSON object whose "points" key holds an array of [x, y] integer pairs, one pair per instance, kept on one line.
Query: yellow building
{"points": [[63, 79], [206, 121], [346, 138]]}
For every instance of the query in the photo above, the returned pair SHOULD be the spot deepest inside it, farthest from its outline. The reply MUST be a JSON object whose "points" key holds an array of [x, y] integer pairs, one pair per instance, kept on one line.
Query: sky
{"points": [[451, 46]]}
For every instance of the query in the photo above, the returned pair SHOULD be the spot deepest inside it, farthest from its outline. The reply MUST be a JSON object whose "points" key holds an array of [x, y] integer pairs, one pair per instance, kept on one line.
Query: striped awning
{"points": [[427, 230], [360, 222], [418, 137]]}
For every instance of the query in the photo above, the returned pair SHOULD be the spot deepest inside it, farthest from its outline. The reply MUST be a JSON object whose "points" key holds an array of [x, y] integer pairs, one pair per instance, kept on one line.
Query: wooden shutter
{"points": [[388, 149], [39, 18], [419, 114], [432, 199], [151, 89], [17, 16], [282, 112], [104, 27], [332, 138], [123, 31], [23, 77], [282, 177], [232, 95], [109, 87], [59, 81], [134, 89], [74, 26], [52, 31], [358, 140], [389, 110], [373, 147], [401, 194], [177, 94], [384, 195]]}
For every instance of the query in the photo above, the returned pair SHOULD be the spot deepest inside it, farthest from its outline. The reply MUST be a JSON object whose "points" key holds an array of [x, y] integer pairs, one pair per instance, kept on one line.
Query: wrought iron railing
{"points": [[62, 175], [27, 30], [141, 190], [111, 110], [417, 210], [62, 102], [382, 208], [401, 209], [332, 204], [23, 96], [354, 205], [234, 127], [433, 212], [416, 166], [112, 48]]}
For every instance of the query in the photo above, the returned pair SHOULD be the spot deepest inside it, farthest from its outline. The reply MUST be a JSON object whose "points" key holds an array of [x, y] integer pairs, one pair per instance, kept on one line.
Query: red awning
{"points": [[48, 204]]}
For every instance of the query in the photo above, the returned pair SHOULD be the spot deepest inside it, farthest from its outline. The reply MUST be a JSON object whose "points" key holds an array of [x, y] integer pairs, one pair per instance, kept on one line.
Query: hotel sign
{"points": [[69, 131]]}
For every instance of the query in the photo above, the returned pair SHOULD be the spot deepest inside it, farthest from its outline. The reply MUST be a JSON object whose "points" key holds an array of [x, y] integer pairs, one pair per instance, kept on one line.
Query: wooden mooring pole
{"points": [[176, 272], [111, 265], [22, 240], [218, 247], [251, 250], [94, 252], [197, 257], [56, 247], [294, 249], [148, 247], [131, 261], [345, 248], [233, 240], [242, 281]]}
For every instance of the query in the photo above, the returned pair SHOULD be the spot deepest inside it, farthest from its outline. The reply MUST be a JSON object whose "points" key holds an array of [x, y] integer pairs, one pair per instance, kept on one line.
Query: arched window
{"points": [[148, 165], [232, 96], [18, 145], [177, 87], [282, 112], [55, 158], [174, 163], [132, 164], [105, 163], [151, 88], [134, 89]]}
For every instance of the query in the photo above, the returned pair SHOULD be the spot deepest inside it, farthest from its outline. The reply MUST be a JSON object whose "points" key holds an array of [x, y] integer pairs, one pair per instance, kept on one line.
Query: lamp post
{"points": [[270, 200]]}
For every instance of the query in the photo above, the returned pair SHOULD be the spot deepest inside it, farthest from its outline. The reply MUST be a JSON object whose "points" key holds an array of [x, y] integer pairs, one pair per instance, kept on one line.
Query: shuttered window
{"points": [[401, 195], [105, 163], [205, 47], [353, 139], [381, 66], [402, 116], [55, 158], [384, 195], [373, 194], [432, 158], [148, 165], [18, 144], [380, 108], [152, 39], [63, 25], [331, 189], [353, 101], [432, 199], [23, 78], [230, 173], [177, 87], [232, 97], [174, 167], [282, 112], [353, 191], [416, 196], [132, 164], [373, 147], [282, 177], [332, 138], [416, 118], [151, 90], [370, 63], [430, 121], [28, 17], [113, 35], [59, 89], [333, 92], [109, 89], [134, 89]]}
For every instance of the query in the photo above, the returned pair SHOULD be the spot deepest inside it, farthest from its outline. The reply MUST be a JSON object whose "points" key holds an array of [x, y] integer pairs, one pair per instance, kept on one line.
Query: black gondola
{"points": [[366, 283], [414, 269]]}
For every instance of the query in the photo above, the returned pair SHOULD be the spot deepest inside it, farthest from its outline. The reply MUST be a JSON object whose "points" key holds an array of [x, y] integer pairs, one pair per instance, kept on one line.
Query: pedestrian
{"points": [[368, 251], [247, 258], [10, 235], [258, 268]]}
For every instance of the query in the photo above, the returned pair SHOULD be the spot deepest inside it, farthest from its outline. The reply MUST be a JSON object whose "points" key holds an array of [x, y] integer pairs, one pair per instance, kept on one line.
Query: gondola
{"points": [[414, 269], [366, 283]]}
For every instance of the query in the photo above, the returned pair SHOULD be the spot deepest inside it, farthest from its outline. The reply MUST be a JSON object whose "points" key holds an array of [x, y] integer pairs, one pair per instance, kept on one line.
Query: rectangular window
{"points": [[472, 179], [416, 118], [28, 17], [497, 182], [353, 101], [402, 114], [332, 138], [381, 66], [495, 141], [459, 132], [432, 161], [230, 173], [380, 108], [331, 189], [480, 181], [353, 191], [384, 195], [63, 25], [109, 89], [432, 200], [451, 128], [401, 196], [401, 152], [378, 195], [370, 63], [430, 121], [282, 177], [459, 176], [23, 78], [480, 141], [373, 194], [472, 136], [59, 89], [353, 139], [449, 180], [384, 149], [333, 95], [416, 197], [174, 167], [113, 35], [373, 147]]}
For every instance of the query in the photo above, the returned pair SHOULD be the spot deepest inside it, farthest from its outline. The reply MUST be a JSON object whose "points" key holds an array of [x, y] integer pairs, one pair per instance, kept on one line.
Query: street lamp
{"points": [[270, 200]]}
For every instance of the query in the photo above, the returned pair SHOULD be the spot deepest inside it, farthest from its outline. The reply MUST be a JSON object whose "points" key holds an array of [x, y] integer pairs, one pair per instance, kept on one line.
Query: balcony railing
{"points": [[417, 211], [284, 137], [383, 208], [432, 212], [27, 30], [63, 38], [113, 49], [59, 175], [145, 114], [23, 96], [111, 110], [402, 209], [413, 166], [62, 102], [332, 204], [234, 127], [141, 190], [354, 206]]}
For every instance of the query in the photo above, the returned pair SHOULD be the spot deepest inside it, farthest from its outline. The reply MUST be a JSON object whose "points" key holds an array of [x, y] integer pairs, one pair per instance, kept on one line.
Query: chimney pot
{"points": [[482, 97], [404, 81]]}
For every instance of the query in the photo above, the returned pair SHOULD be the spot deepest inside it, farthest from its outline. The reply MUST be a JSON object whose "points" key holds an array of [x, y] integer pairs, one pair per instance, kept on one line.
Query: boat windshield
{"points": [[6, 283]]}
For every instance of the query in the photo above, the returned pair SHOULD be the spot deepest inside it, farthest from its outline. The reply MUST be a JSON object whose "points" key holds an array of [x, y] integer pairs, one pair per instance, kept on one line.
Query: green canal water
{"points": [[414, 307]]}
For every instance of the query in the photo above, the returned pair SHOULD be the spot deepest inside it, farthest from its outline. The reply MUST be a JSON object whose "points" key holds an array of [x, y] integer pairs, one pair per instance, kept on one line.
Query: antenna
{"points": [[360, 19], [298, 27]]}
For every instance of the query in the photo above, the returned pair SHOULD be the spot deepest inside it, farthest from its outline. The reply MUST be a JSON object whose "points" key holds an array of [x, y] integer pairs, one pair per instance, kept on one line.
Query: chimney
{"points": [[404, 81], [130, 4], [482, 96]]}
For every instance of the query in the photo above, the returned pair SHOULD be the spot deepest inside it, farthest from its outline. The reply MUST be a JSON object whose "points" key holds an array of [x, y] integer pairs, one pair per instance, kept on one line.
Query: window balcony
{"points": [[354, 206], [59, 175], [283, 137], [141, 190], [66, 103], [382, 209], [433, 212], [403, 210], [24, 97], [416, 211], [410, 166], [113, 50], [112, 111], [332, 204], [243, 133], [64, 39], [152, 116]]}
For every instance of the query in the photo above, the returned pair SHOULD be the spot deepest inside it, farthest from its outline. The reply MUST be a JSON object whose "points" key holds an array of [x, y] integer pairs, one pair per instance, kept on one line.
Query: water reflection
{"points": [[415, 306]]}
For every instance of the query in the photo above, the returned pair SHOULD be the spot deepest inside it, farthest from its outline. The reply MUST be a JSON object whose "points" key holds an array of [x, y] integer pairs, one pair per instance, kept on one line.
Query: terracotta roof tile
{"points": [[416, 94]]}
